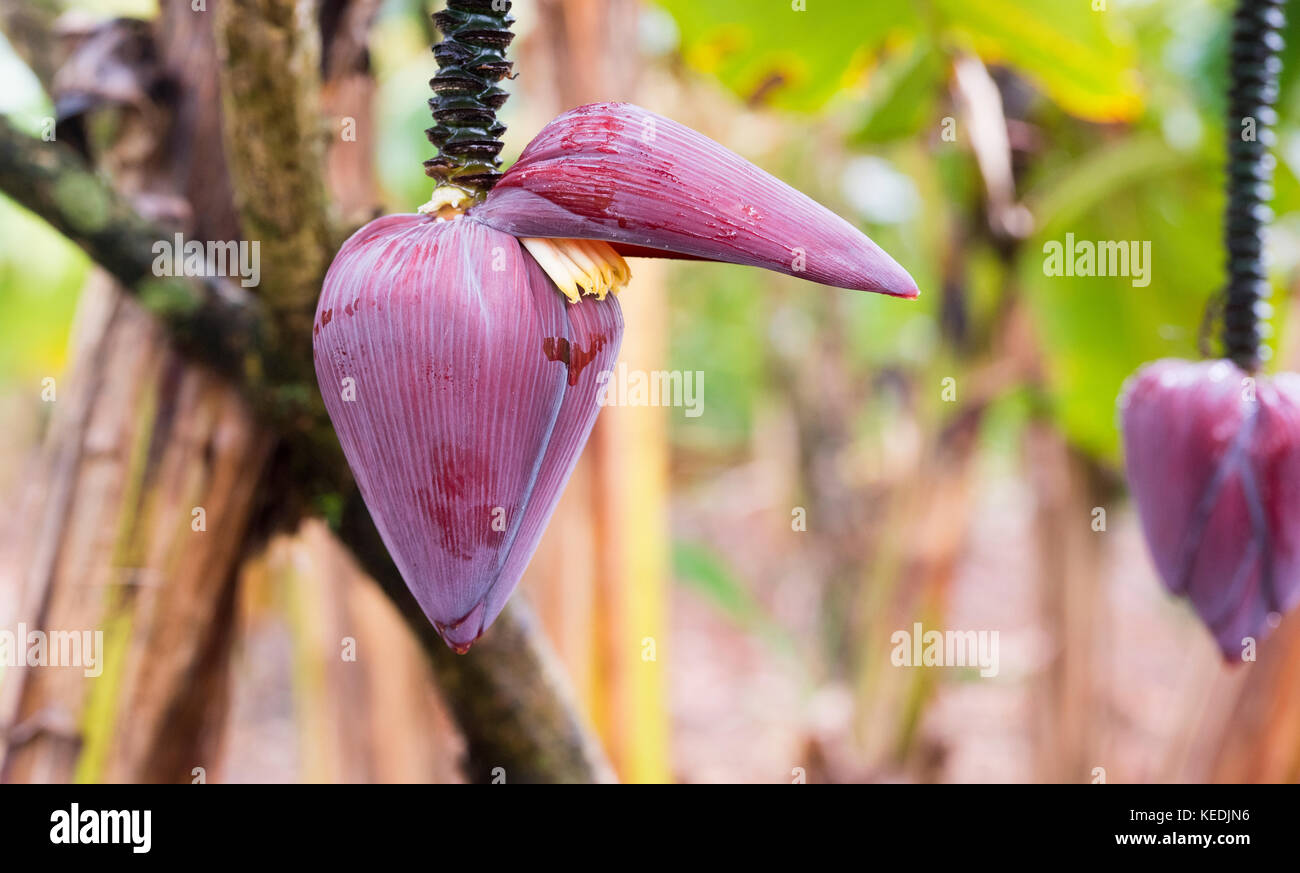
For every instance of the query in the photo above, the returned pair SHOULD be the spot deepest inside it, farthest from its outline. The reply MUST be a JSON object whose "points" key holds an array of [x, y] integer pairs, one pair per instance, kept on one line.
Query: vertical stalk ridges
{"points": [[1255, 63], [471, 60]]}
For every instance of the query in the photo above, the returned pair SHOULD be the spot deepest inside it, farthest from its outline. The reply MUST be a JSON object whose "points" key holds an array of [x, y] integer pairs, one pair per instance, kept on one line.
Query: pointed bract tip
{"points": [[462, 633]]}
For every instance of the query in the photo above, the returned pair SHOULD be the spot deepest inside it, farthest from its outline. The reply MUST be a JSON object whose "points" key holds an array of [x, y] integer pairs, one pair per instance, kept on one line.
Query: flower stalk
{"points": [[471, 61], [1254, 67]]}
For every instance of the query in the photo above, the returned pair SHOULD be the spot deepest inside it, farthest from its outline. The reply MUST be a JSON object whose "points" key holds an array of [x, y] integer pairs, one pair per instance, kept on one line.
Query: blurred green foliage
{"points": [[41, 272], [700, 570], [1125, 106], [39, 284], [799, 60], [798, 55]]}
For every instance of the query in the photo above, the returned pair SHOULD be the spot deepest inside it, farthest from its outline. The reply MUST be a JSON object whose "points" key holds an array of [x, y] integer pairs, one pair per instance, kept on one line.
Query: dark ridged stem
{"points": [[1255, 65], [471, 60]]}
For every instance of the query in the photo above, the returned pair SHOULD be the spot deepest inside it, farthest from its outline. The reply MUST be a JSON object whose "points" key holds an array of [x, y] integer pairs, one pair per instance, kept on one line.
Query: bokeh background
{"points": [[949, 455]]}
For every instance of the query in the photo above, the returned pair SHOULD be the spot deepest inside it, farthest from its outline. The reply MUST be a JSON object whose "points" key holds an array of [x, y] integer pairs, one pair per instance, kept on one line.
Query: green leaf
{"points": [[1095, 331], [40, 281], [1077, 55], [703, 571], [769, 51], [902, 97]]}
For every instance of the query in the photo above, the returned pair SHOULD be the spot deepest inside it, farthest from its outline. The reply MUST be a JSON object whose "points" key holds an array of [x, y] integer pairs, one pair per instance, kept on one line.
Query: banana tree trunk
{"points": [[142, 434], [147, 481]]}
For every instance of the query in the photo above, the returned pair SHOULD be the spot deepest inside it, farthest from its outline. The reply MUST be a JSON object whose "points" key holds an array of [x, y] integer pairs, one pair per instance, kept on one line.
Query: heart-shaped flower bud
{"points": [[463, 388], [654, 188], [1213, 461]]}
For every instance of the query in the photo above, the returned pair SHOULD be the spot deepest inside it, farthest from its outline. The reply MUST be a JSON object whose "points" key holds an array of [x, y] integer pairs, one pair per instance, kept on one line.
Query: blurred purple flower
{"points": [[1213, 461]]}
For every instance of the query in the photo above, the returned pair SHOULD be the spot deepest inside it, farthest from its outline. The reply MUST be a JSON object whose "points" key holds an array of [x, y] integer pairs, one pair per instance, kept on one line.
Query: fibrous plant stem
{"points": [[471, 61], [1254, 68]]}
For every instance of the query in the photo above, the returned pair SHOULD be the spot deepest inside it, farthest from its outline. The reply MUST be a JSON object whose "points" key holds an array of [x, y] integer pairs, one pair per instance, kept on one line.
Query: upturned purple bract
{"points": [[655, 188]]}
